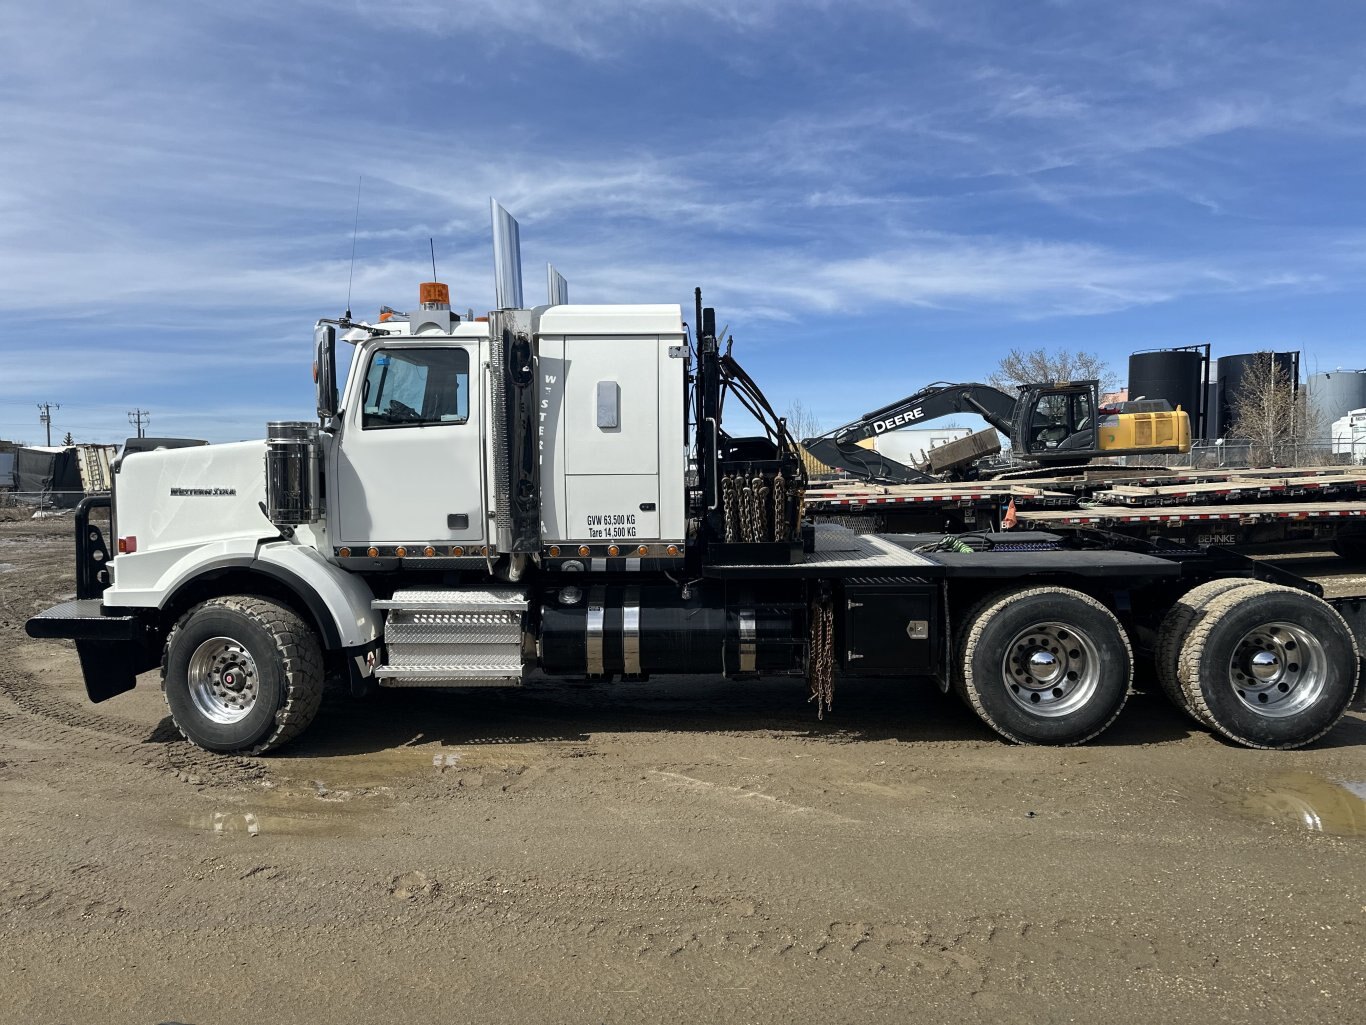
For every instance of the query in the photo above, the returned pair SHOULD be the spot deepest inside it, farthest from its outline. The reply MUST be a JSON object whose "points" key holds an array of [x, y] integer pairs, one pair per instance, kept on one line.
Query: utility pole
{"points": [[45, 417], [140, 418]]}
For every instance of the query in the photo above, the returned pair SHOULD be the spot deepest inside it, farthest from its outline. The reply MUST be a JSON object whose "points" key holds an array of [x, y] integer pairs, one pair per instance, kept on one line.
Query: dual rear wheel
{"points": [[1044, 665], [1263, 665]]}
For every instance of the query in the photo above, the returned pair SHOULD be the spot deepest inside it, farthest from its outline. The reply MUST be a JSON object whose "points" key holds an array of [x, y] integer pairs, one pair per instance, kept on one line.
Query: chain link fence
{"points": [[1235, 454]]}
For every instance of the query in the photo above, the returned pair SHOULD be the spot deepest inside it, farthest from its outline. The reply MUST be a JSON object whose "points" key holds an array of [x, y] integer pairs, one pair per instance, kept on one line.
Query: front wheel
{"points": [[242, 674], [1044, 665]]}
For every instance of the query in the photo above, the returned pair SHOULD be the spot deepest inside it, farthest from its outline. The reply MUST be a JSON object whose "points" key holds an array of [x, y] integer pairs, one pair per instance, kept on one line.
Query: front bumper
{"points": [[83, 620], [113, 649]]}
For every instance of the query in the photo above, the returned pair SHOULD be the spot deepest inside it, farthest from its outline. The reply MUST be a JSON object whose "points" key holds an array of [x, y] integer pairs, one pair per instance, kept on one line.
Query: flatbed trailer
{"points": [[1250, 507]]}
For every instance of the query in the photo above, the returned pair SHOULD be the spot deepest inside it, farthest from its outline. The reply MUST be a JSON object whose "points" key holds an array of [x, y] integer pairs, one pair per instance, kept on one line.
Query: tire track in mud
{"points": [[44, 719]]}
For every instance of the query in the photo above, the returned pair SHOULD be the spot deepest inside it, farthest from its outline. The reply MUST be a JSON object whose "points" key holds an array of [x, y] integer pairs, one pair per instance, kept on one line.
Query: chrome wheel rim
{"points": [[223, 680], [1051, 669], [1278, 669]]}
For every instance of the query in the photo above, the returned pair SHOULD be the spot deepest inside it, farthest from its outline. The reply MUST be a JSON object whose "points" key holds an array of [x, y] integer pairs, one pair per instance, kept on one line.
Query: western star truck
{"points": [[558, 489]]}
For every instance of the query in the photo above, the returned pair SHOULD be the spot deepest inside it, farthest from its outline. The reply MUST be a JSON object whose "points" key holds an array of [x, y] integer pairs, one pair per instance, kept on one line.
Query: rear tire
{"points": [[1277, 672], [1176, 627], [1044, 665], [242, 674]]}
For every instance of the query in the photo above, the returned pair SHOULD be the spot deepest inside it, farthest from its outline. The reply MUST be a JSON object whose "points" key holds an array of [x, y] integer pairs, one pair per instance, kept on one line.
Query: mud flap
{"points": [[111, 667]]}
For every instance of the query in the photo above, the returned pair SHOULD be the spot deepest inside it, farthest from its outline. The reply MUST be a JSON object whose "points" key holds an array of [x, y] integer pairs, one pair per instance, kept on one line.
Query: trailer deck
{"points": [[1266, 505]]}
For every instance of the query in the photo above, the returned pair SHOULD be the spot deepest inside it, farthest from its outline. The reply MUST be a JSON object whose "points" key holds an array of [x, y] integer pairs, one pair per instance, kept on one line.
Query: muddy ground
{"points": [[665, 852]]}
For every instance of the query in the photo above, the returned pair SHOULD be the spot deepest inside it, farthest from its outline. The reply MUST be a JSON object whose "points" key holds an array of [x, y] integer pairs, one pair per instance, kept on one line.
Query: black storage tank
{"points": [[1234, 370], [1177, 375]]}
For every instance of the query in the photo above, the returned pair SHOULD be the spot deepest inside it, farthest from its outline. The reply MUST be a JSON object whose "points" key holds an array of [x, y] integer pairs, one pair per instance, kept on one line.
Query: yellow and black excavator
{"points": [[1061, 423]]}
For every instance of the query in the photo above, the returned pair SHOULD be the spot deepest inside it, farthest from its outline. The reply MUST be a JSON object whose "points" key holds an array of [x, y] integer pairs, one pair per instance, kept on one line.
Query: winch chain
{"points": [[755, 508], [728, 498], [779, 508], [820, 664], [759, 497]]}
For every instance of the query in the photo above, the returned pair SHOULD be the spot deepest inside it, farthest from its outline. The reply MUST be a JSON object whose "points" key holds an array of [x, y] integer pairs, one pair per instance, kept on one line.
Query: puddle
{"points": [[1311, 803], [335, 796], [272, 814]]}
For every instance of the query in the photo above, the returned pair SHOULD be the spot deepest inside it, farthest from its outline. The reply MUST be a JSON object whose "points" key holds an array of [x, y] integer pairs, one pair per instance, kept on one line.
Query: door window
{"points": [[416, 388]]}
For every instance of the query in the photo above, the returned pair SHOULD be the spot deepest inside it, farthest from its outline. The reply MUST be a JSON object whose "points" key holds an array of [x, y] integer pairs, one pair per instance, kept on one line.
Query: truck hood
{"points": [[173, 497]]}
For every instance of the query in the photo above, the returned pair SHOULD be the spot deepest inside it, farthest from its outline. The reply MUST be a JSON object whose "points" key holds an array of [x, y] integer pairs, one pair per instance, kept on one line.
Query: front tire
{"points": [[242, 674], [1277, 672], [1044, 665]]}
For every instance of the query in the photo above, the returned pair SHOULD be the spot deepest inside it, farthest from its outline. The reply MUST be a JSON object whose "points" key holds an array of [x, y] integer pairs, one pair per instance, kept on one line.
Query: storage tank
{"points": [[1176, 375], [1335, 394], [1234, 369]]}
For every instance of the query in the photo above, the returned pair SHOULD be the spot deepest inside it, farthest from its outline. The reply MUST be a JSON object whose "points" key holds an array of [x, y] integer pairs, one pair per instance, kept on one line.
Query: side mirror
{"points": [[325, 369]]}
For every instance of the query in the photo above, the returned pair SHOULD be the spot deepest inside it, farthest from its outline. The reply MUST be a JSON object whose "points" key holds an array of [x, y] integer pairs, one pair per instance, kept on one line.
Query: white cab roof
{"points": [[659, 319]]}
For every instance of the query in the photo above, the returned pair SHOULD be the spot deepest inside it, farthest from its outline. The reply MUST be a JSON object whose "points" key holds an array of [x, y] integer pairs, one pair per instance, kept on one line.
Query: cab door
{"points": [[408, 462], [1059, 422]]}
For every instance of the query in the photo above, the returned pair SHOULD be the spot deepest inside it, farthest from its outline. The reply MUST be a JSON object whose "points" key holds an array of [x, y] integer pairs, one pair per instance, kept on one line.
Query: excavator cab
{"points": [[1056, 419], [1063, 423]]}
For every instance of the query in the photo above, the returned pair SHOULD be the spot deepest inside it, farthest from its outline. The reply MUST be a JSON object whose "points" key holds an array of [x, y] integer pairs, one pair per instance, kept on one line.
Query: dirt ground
{"points": [[665, 852]]}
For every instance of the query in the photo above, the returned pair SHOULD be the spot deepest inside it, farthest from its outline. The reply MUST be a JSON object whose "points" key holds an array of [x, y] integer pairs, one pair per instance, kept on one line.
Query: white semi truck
{"points": [[556, 489]]}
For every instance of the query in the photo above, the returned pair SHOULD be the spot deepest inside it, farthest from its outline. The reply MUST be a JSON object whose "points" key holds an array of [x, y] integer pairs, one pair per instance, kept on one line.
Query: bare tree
{"points": [[1272, 414], [1029, 366], [802, 422]]}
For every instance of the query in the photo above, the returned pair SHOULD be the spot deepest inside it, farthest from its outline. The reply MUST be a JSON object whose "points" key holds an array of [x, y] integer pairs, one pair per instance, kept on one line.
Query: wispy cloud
{"points": [[176, 182]]}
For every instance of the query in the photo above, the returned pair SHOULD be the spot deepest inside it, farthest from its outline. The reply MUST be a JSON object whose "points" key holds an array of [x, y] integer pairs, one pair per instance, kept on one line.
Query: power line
{"points": [[45, 417], [140, 418]]}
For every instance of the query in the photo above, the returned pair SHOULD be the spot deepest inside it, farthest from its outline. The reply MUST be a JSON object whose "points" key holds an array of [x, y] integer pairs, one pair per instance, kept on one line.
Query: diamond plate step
{"points": [[415, 656], [454, 600], [448, 676], [479, 628]]}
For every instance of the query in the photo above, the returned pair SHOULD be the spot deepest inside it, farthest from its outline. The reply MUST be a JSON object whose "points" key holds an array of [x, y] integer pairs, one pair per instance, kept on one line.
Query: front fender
{"points": [[339, 601], [333, 595]]}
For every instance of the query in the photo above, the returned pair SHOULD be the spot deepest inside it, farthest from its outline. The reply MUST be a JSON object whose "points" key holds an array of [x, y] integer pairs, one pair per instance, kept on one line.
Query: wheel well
{"points": [[244, 580], [966, 593]]}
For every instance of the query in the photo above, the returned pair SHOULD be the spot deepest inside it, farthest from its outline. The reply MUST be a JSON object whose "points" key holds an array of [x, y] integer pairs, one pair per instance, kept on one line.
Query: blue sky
{"points": [[874, 195]]}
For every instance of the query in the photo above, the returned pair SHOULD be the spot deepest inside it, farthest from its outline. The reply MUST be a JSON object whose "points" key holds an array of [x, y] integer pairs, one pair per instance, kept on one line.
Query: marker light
{"points": [[613, 550], [128, 545], [373, 552], [643, 550], [400, 551], [583, 550], [344, 553], [429, 551], [672, 549], [458, 550], [554, 551]]}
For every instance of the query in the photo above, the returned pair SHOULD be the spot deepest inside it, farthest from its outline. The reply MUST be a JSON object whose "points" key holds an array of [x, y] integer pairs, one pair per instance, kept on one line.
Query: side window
{"points": [[416, 388]]}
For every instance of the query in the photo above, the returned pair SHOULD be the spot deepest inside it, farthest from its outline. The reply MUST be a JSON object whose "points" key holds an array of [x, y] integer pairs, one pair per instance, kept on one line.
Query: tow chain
{"points": [[754, 508], [820, 664], [732, 515], [779, 507]]}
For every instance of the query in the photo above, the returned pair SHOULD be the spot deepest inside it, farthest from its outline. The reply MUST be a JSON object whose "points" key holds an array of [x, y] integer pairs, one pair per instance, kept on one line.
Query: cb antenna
{"points": [[432, 242], [355, 230]]}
